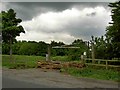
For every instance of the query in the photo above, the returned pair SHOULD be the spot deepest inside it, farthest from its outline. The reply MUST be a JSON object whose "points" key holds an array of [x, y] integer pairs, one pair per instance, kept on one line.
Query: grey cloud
{"points": [[85, 33], [28, 10], [79, 29], [91, 14]]}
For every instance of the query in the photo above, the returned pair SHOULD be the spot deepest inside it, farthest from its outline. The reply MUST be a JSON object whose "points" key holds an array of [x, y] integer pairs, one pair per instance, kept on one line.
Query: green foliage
{"points": [[57, 52], [10, 27], [113, 31], [75, 54], [93, 73], [100, 48], [74, 57], [28, 49], [16, 47], [40, 49], [72, 53], [5, 48], [53, 43]]}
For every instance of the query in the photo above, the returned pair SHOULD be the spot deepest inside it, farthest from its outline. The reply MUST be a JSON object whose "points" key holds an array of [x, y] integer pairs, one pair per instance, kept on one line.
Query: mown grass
{"points": [[60, 58], [28, 61], [63, 58]]}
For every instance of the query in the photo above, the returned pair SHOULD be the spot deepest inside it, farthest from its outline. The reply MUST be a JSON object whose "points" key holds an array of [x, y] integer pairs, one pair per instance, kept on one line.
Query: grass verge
{"points": [[89, 72]]}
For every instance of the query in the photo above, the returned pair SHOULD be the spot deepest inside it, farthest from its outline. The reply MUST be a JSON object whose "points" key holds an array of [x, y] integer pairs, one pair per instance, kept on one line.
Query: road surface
{"points": [[13, 83], [38, 78]]}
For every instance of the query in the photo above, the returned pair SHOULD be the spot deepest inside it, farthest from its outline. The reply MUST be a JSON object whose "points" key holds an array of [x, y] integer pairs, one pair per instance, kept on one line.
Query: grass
{"points": [[89, 72], [26, 61], [60, 58], [22, 61]]}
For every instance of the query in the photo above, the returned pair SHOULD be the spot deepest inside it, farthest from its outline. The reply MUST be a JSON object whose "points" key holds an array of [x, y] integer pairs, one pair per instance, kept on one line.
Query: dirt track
{"points": [[56, 79]]}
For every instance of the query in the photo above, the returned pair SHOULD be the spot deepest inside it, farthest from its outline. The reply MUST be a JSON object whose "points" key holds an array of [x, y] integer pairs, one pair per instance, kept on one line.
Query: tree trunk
{"points": [[11, 50]]}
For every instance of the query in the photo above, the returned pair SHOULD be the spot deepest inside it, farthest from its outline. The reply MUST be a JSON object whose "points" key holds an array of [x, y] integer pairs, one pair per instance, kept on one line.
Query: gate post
{"points": [[82, 59], [49, 52], [106, 64]]}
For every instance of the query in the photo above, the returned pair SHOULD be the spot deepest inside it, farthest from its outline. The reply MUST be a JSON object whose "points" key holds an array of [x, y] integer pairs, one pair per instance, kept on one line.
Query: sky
{"points": [[61, 21]]}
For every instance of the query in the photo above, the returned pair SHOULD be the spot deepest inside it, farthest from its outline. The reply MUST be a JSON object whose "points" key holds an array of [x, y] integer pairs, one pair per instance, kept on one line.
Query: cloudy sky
{"points": [[61, 21]]}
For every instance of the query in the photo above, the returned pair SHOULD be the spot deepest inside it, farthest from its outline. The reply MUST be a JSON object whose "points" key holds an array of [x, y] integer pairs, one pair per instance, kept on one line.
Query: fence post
{"points": [[82, 59], [98, 61], [93, 50], [49, 52], [106, 64], [46, 57]]}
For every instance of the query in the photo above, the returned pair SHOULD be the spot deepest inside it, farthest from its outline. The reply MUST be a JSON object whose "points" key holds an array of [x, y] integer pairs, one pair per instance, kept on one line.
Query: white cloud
{"points": [[30, 36], [66, 25]]}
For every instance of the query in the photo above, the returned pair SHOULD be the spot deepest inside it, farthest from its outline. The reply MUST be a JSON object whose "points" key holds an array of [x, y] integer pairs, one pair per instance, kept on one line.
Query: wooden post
{"points": [[82, 59], [106, 64], [93, 51], [93, 54], [11, 57], [49, 52], [88, 51], [98, 61], [46, 57]]}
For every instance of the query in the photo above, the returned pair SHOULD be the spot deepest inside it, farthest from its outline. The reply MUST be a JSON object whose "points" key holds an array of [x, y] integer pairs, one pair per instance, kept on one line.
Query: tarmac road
{"points": [[13, 83], [38, 78]]}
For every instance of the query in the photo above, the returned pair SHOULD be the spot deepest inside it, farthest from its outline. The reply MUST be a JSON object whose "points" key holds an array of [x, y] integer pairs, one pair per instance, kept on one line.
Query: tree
{"points": [[28, 48], [10, 28], [80, 43], [113, 31], [77, 52], [101, 48], [57, 52]]}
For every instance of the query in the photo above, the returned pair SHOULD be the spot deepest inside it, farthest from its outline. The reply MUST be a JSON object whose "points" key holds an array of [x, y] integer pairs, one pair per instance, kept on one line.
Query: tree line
{"points": [[41, 48]]}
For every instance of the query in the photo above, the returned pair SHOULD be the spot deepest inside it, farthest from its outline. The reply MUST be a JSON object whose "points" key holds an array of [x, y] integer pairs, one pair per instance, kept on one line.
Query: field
{"points": [[29, 61], [21, 62]]}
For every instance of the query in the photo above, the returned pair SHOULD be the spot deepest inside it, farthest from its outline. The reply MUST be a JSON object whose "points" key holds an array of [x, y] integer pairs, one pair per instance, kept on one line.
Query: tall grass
{"points": [[94, 73]]}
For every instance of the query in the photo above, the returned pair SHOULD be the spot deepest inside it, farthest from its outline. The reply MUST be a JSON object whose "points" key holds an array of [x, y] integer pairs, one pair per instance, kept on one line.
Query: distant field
{"points": [[29, 61]]}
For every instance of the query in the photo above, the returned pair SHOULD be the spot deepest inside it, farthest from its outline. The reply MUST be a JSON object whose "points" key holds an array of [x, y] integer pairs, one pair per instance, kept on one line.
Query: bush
{"points": [[74, 57]]}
